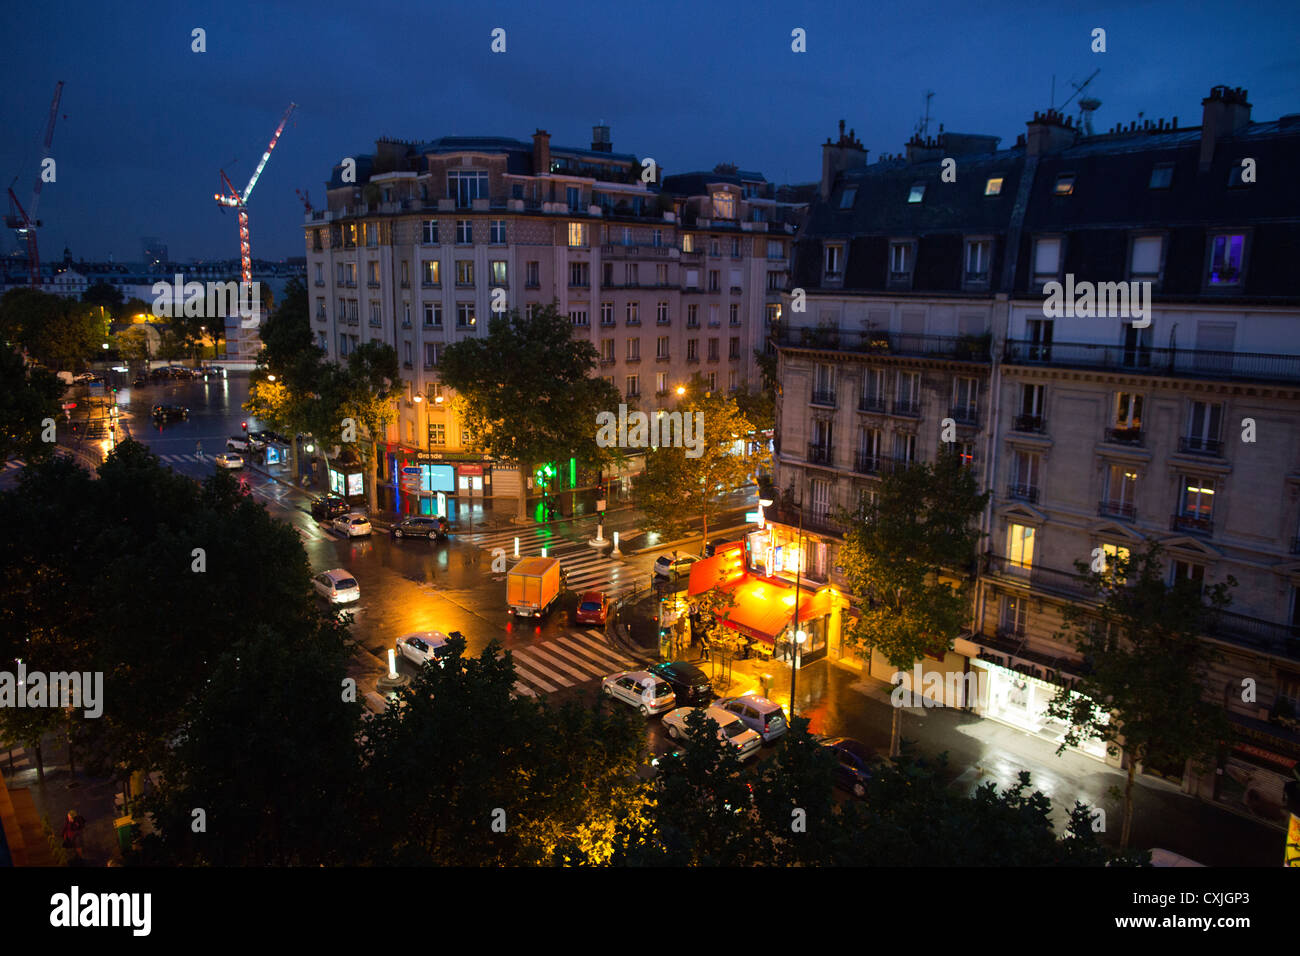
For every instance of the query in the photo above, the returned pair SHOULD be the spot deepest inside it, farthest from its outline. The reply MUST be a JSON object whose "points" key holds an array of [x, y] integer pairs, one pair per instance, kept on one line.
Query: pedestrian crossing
{"points": [[576, 658], [15, 759], [181, 459], [15, 463], [587, 568]]}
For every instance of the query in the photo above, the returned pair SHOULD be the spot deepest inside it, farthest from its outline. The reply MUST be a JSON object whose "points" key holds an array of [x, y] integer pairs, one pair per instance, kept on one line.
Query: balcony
{"points": [[1131, 436], [963, 348], [896, 464], [1200, 446], [871, 403], [820, 454], [962, 414], [911, 409], [865, 463], [1188, 363], [1032, 424], [1193, 523], [663, 358], [1027, 493], [1116, 509], [1063, 583], [822, 396], [1269, 637]]}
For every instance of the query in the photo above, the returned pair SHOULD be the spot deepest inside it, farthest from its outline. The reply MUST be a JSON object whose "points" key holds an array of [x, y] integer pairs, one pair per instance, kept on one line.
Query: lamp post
{"points": [[797, 636]]}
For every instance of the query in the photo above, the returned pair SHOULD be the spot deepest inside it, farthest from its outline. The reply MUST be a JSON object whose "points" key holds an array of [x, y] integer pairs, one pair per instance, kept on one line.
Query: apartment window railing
{"points": [[1027, 493], [1200, 446], [822, 396], [1193, 363], [871, 403], [1116, 509], [962, 414], [905, 406], [1196, 524], [819, 453], [1029, 423], [1126, 436], [865, 463]]}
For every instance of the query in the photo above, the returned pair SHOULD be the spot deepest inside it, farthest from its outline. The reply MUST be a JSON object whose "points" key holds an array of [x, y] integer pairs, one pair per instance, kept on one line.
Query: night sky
{"points": [[149, 124]]}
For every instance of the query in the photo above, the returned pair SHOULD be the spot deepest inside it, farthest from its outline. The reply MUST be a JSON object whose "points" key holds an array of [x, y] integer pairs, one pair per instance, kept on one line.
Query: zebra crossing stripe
{"points": [[532, 678], [524, 689], [553, 655], [537, 666], [603, 658]]}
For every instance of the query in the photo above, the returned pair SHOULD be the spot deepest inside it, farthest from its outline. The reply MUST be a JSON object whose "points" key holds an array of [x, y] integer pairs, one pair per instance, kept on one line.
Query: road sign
{"points": [[68, 405], [410, 469], [751, 515]]}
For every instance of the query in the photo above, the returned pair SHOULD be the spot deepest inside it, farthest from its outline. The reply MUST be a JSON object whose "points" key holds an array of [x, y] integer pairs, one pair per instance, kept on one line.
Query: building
{"points": [[1170, 416], [155, 254], [665, 277]]}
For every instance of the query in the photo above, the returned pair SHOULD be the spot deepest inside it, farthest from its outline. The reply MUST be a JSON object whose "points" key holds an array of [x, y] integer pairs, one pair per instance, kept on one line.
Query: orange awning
{"points": [[726, 568]]}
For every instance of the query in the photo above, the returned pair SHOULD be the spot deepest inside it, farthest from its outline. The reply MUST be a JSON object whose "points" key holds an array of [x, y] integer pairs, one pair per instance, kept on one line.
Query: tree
{"points": [[103, 294], [58, 332], [530, 393], [29, 398], [680, 483], [1147, 666], [364, 391], [900, 556]]}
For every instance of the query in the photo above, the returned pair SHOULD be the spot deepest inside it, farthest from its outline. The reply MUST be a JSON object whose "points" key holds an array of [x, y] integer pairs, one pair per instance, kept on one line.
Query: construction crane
{"points": [[306, 202], [24, 221], [237, 200]]}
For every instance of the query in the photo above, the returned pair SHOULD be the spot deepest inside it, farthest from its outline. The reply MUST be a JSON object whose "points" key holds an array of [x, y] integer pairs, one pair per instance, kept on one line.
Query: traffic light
{"points": [[244, 425]]}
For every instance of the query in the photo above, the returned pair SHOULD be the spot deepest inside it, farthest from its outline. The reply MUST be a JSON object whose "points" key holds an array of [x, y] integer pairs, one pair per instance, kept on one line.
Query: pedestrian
{"points": [[72, 833], [198, 449], [704, 649]]}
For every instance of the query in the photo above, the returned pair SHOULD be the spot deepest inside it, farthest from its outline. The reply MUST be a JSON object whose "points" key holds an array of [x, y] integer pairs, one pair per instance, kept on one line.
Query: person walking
{"points": [[72, 833], [198, 449], [704, 649]]}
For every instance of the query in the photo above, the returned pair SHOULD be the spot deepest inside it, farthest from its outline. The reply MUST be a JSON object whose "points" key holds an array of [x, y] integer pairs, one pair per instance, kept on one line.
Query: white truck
{"points": [[533, 585]]}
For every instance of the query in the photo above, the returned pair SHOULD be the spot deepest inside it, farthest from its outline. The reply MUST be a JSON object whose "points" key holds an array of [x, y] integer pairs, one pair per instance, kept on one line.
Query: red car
{"points": [[592, 607]]}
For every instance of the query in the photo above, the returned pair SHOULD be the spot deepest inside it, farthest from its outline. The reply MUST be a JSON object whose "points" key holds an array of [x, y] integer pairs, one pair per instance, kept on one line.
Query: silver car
{"points": [[763, 716], [644, 691], [731, 729], [337, 586]]}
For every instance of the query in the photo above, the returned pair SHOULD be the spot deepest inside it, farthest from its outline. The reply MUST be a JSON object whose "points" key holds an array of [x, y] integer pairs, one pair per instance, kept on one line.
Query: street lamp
{"points": [[270, 378], [681, 389]]}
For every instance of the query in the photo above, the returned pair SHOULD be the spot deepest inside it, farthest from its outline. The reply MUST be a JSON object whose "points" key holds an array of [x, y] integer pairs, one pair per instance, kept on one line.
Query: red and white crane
{"points": [[24, 221], [232, 197]]}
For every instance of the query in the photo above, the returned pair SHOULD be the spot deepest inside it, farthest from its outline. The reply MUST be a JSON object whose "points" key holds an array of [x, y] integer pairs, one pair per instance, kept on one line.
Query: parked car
{"points": [[644, 691], [424, 646], [170, 413], [229, 461], [337, 586], [85, 378], [672, 566], [352, 525], [712, 547], [329, 507], [690, 684], [855, 763], [238, 443], [731, 729], [759, 714], [416, 526], [139, 382], [593, 607]]}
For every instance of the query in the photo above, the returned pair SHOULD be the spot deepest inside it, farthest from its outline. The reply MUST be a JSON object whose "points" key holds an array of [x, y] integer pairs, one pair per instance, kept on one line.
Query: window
{"points": [[464, 273], [320, 308], [1121, 492], [607, 270], [406, 274], [1064, 185], [532, 275], [734, 314], [429, 232], [1020, 546], [872, 397], [661, 275], [464, 231], [900, 260], [1225, 259], [834, 260], [430, 355], [1113, 556], [1047, 260], [634, 350], [1024, 476], [773, 313], [735, 250], [1128, 411], [498, 267], [323, 341], [846, 202], [350, 236], [714, 321], [374, 314], [372, 234], [909, 392], [343, 344], [661, 383], [692, 316], [993, 186], [320, 278], [633, 386], [1196, 504], [633, 274], [775, 249], [714, 280], [431, 273], [1137, 346], [497, 232], [820, 490], [916, 193], [1162, 176], [661, 313], [1040, 339], [733, 348], [688, 242], [661, 347], [964, 394], [657, 239], [1031, 409], [465, 186], [965, 451], [579, 274], [977, 260], [692, 350], [1186, 571], [577, 235], [530, 310], [437, 434], [1144, 257], [574, 196], [406, 315], [904, 448], [465, 317], [634, 313], [724, 206], [578, 317], [432, 315], [607, 350], [713, 350], [1013, 616], [1204, 427], [607, 313]]}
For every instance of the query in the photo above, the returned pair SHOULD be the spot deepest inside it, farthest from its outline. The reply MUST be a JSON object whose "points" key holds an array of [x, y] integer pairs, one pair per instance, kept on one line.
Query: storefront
{"points": [[347, 480], [430, 483]]}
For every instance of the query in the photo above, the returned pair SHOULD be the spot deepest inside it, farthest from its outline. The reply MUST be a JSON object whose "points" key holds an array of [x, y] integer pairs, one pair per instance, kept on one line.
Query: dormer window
{"points": [[847, 197], [1162, 176], [834, 261], [993, 187], [917, 193], [1064, 185], [724, 206]]}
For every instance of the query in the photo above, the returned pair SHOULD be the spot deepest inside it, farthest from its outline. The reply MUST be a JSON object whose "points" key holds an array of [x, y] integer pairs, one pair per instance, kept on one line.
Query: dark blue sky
{"points": [[149, 124]]}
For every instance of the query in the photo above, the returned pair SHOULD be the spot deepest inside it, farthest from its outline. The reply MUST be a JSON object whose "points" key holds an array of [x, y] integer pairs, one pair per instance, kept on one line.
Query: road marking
{"points": [[552, 654], [604, 658], [525, 689], [527, 659], [533, 678]]}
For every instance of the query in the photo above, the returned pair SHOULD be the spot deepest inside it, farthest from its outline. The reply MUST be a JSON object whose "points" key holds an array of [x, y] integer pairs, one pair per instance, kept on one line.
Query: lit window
{"points": [[724, 206], [577, 235], [917, 193], [1064, 185], [993, 187], [1225, 259], [1020, 545]]}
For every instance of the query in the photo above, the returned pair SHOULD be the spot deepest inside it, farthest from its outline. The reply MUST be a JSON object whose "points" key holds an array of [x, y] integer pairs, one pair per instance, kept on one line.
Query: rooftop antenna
{"points": [[1078, 88], [923, 127]]}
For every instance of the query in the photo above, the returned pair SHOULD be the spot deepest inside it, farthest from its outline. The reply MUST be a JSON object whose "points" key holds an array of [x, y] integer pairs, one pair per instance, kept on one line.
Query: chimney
{"points": [[1049, 132], [847, 153], [923, 149], [600, 139], [1223, 112], [541, 152]]}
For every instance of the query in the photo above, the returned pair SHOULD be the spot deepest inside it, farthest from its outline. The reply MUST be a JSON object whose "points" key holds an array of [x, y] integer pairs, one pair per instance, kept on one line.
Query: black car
{"points": [[139, 382], [170, 413], [328, 507], [690, 684], [712, 547], [420, 526], [855, 763]]}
